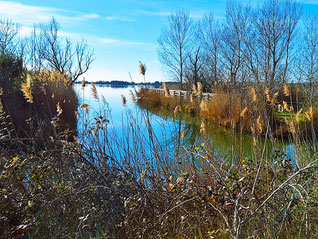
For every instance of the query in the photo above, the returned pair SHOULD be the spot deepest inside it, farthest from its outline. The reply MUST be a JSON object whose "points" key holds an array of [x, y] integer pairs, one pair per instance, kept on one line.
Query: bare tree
{"points": [[235, 29], [210, 39], [275, 23], [8, 35], [309, 56], [175, 44], [49, 50]]}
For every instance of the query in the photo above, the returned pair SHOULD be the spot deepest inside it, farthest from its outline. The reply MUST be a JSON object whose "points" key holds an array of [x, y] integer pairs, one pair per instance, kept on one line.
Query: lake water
{"points": [[172, 132]]}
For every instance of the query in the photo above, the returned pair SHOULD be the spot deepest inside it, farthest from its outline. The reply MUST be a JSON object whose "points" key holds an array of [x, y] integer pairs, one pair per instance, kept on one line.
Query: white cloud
{"points": [[90, 16], [115, 42], [120, 18], [153, 13], [27, 15]]}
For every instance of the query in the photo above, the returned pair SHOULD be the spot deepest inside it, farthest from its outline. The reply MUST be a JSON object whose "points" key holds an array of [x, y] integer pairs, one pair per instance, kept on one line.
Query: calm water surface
{"points": [[166, 127]]}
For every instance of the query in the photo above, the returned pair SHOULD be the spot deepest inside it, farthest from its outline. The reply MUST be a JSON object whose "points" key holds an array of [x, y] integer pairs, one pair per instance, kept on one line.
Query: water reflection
{"points": [[173, 132]]}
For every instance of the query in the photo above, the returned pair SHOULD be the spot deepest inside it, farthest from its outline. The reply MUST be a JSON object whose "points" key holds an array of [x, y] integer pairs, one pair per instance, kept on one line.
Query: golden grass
{"points": [[94, 91], [166, 89], [50, 94], [286, 90]]}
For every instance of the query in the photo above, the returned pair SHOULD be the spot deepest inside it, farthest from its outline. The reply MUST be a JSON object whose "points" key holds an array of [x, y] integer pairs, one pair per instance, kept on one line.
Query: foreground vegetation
{"points": [[105, 185]]}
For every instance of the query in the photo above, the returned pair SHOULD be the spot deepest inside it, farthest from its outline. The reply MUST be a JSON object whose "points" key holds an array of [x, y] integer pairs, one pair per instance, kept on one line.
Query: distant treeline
{"points": [[126, 83]]}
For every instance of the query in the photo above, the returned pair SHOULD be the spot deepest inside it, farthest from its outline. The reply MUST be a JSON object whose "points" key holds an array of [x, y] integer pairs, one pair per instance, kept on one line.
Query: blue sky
{"points": [[122, 32]]}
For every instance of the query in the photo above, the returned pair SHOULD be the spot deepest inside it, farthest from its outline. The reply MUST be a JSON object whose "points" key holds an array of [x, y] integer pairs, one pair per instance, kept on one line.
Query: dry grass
{"points": [[46, 96]]}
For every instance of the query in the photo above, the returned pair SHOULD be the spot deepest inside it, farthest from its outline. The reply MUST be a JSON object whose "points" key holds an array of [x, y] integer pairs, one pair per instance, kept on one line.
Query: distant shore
{"points": [[126, 83]]}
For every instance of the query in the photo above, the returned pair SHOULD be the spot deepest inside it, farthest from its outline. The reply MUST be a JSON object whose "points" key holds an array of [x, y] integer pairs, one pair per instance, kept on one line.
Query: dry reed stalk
{"points": [[203, 128], [94, 91], [298, 115], [27, 89], [259, 124], [191, 98], [286, 90], [166, 89], [85, 107], [142, 68], [59, 109], [286, 107], [194, 89], [242, 114], [83, 83], [309, 114], [177, 109], [253, 94], [204, 106], [200, 88], [77, 115], [132, 96], [123, 100], [274, 99], [268, 94], [182, 134], [291, 126]]}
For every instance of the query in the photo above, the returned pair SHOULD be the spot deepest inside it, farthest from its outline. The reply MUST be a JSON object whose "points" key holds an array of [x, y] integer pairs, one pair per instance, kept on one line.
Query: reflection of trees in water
{"points": [[225, 142]]}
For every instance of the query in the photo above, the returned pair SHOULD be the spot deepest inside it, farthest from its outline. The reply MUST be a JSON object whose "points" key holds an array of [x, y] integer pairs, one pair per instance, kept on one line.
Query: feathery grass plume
{"points": [[286, 90], [142, 68], [94, 91], [83, 83], [200, 87], [203, 128], [291, 126], [254, 141], [123, 100], [268, 94], [194, 89], [204, 106], [132, 96], [259, 124], [253, 130], [27, 89], [298, 115], [309, 114], [253, 94], [243, 111], [182, 134], [177, 109], [166, 89], [191, 98], [286, 107], [85, 107], [1, 91], [59, 109], [273, 102], [77, 115]]}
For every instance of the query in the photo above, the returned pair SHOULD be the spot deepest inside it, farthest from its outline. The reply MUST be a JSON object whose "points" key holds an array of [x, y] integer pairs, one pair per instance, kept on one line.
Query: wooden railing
{"points": [[184, 94]]}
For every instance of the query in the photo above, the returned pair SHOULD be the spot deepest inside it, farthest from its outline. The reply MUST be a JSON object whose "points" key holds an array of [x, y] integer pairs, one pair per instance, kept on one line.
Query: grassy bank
{"points": [[247, 109]]}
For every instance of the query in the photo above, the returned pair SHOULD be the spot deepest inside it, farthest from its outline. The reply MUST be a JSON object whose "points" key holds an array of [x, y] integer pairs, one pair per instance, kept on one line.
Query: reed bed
{"points": [[42, 94], [238, 109]]}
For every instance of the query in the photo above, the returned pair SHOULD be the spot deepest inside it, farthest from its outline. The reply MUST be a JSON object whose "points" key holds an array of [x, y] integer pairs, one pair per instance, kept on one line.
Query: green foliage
{"points": [[11, 69]]}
